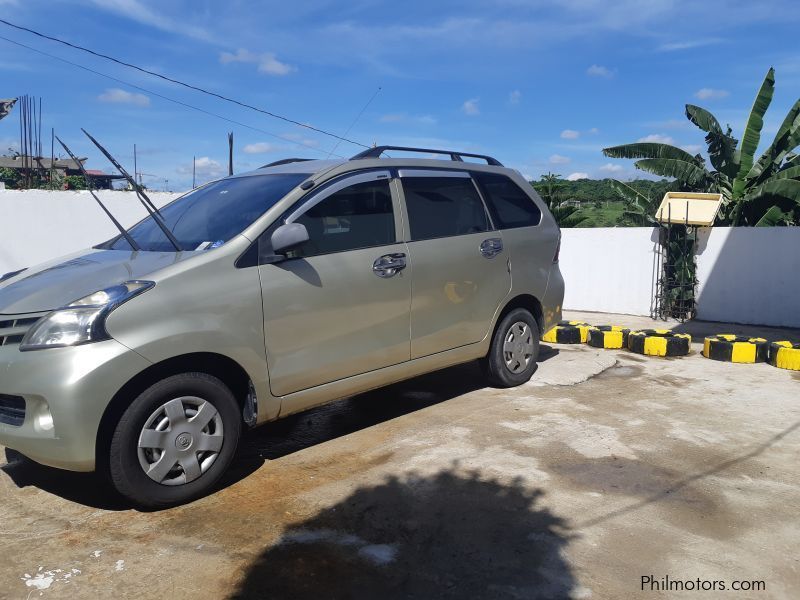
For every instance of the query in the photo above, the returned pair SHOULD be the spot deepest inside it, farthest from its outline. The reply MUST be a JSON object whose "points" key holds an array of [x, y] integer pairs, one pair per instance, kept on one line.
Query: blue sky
{"points": [[541, 85]]}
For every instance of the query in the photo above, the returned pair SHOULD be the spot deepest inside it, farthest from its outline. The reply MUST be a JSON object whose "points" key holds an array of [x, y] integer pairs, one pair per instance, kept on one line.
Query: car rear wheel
{"points": [[175, 440], [511, 360]]}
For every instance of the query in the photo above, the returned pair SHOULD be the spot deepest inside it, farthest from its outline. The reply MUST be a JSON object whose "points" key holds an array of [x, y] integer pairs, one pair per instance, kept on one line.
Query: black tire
{"points": [[498, 372], [126, 472]]}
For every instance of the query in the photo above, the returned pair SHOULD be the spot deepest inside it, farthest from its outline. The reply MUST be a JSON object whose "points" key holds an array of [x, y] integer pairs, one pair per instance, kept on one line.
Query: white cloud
{"points": [[670, 124], [657, 138], [692, 148], [710, 94], [267, 62], [570, 134], [688, 44], [600, 71], [470, 107], [406, 118], [136, 11], [576, 176], [611, 168], [557, 159], [118, 96], [515, 97], [206, 168], [594, 131], [260, 148], [299, 139]]}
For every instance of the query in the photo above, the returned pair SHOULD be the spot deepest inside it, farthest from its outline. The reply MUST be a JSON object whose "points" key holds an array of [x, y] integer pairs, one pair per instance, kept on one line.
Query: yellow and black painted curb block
{"points": [[659, 342], [564, 334], [584, 328], [737, 349], [784, 355], [608, 336]]}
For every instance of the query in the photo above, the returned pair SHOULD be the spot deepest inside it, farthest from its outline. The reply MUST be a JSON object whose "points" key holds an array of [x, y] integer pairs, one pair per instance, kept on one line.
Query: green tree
{"points": [[759, 192], [640, 208], [550, 189]]}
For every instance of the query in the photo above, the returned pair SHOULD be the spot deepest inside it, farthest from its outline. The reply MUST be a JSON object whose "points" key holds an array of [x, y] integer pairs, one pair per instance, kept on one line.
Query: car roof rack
{"points": [[284, 161], [454, 155]]}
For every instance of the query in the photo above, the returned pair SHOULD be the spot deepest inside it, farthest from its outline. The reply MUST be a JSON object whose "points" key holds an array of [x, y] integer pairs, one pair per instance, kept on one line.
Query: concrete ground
{"points": [[606, 468]]}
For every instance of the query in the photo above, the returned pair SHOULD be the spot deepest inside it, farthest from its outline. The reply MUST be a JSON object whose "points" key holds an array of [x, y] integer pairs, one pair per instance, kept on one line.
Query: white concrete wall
{"points": [[37, 225], [749, 275], [608, 269]]}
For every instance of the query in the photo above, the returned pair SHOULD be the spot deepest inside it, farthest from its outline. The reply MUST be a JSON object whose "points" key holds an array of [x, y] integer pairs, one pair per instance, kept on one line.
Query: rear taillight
{"points": [[558, 249]]}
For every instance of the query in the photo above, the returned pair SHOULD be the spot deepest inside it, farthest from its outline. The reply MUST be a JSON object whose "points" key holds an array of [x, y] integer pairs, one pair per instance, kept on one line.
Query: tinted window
{"points": [[358, 216], [443, 206], [213, 214], [510, 206]]}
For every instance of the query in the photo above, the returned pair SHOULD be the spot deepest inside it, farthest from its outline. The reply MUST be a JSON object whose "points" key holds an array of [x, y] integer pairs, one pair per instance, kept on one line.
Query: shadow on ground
{"points": [[337, 419], [441, 536], [89, 489]]}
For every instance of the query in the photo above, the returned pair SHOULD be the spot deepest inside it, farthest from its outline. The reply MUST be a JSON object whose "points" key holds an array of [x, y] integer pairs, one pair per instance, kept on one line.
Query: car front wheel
{"points": [[175, 440]]}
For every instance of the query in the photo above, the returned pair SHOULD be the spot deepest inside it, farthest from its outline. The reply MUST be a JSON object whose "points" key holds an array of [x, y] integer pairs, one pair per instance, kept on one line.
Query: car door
{"points": [[460, 268], [338, 306]]}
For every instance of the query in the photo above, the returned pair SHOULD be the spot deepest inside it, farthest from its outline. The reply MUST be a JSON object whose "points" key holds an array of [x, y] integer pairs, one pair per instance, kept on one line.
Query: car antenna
{"points": [[149, 206], [122, 230]]}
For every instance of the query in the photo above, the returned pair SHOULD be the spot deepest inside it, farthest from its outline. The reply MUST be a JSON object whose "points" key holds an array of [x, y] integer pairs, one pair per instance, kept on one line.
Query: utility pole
{"points": [[135, 169], [52, 156], [230, 153]]}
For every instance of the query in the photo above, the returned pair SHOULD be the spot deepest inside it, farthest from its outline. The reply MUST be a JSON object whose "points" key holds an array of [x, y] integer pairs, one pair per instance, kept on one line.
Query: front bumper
{"points": [[66, 391]]}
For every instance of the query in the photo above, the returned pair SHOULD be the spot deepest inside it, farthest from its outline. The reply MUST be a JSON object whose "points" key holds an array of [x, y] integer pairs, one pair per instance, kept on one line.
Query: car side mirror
{"points": [[288, 236]]}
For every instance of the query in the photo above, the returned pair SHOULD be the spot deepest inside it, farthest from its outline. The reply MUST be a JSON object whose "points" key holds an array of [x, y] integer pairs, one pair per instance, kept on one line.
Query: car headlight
{"points": [[82, 321]]}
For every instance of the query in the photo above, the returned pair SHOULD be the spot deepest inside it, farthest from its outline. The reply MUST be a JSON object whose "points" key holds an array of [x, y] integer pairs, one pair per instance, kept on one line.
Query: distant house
{"points": [[572, 202], [62, 167]]}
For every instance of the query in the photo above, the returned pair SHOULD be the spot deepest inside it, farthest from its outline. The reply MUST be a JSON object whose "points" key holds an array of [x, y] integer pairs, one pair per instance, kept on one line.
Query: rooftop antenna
{"points": [[117, 224], [143, 198], [358, 116]]}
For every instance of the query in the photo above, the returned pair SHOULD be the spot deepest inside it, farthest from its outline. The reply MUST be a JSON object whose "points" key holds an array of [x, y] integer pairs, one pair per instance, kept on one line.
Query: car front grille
{"points": [[12, 410], [14, 328]]}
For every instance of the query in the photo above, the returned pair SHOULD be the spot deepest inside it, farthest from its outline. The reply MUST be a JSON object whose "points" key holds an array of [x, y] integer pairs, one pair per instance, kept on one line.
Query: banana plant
{"points": [[763, 192], [551, 192], [639, 208]]}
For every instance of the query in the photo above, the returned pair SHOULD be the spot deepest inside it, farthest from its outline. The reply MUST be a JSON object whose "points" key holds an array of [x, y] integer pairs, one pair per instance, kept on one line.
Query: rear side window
{"points": [[443, 207], [359, 216], [511, 207]]}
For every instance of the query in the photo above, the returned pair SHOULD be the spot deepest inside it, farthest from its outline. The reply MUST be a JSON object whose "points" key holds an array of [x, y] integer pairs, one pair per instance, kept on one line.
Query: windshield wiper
{"points": [[117, 224], [146, 202]]}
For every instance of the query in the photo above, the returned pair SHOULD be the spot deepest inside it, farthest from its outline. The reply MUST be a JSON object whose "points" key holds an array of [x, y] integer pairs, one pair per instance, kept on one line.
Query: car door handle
{"points": [[491, 247], [389, 265]]}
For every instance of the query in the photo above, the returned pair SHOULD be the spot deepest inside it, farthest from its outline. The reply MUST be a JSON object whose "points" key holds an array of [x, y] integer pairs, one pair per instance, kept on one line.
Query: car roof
{"points": [[300, 166], [374, 157]]}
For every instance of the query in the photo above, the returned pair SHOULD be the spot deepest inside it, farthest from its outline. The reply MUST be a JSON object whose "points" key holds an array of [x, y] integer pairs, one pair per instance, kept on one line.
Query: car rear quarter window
{"points": [[443, 207], [511, 207]]}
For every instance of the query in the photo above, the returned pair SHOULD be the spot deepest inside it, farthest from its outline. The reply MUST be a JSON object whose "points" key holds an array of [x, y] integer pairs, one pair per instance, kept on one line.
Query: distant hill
{"points": [[591, 190]]}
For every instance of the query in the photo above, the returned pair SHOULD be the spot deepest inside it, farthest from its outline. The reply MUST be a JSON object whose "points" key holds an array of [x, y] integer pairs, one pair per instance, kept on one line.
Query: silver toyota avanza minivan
{"points": [[301, 282]]}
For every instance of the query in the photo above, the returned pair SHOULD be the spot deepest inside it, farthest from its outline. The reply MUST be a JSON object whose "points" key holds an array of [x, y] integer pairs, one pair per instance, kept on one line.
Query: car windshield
{"points": [[211, 215]]}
